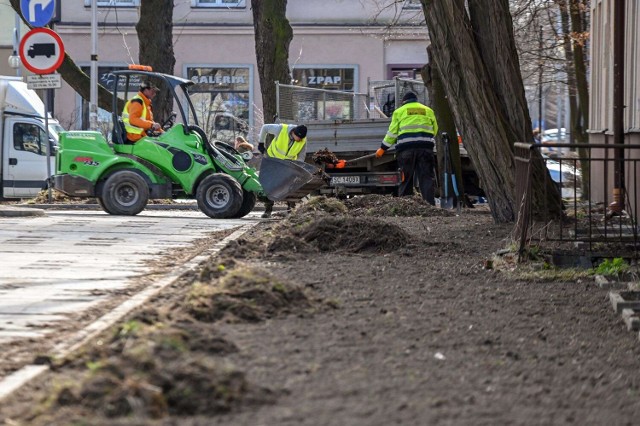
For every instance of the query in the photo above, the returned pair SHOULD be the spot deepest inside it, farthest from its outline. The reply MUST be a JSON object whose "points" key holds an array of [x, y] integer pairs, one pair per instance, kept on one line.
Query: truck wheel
{"points": [[248, 203], [219, 196], [125, 193]]}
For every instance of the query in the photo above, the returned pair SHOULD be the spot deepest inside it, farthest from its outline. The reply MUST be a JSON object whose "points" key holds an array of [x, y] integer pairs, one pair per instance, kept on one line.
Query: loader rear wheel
{"points": [[219, 196], [124, 193], [248, 203]]}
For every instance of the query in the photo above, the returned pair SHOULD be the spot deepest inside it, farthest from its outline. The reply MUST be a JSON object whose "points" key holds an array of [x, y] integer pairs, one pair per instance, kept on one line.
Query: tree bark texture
{"points": [[273, 35], [155, 38], [578, 10], [577, 130], [446, 121], [75, 77], [485, 91]]}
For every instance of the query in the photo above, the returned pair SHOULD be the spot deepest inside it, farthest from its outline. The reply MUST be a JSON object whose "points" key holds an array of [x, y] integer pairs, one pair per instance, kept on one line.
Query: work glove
{"points": [[340, 164], [379, 152], [261, 148]]}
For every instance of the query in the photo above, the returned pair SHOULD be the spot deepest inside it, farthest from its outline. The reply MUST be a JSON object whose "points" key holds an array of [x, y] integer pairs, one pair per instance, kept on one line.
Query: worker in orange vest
{"points": [[137, 114]]}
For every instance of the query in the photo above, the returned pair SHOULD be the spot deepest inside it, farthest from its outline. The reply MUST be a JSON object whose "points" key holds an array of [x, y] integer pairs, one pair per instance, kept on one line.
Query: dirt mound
{"points": [[241, 248], [289, 243], [59, 198], [384, 205], [324, 156], [321, 204], [245, 294], [150, 371], [355, 235]]}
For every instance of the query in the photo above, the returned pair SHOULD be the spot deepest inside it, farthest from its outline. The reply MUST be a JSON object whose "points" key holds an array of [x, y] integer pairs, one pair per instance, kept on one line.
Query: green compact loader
{"points": [[180, 162]]}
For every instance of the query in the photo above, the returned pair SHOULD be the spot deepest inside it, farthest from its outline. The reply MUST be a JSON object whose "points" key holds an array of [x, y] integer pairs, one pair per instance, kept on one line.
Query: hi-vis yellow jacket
{"points": [[413, 125], [284, 147], [137, 117]]}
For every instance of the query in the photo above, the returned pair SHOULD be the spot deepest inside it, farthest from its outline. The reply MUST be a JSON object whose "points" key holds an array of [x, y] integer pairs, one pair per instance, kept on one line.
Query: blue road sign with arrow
{"points": [[37, 12]]}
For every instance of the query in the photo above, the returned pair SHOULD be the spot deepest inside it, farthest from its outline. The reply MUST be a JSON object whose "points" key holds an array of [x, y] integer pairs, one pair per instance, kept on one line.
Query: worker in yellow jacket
{"points": [[289, 143], [412, 131]]}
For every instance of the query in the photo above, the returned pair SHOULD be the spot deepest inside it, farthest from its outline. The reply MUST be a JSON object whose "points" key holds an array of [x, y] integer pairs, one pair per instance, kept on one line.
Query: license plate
{"points": [[344, 179]]}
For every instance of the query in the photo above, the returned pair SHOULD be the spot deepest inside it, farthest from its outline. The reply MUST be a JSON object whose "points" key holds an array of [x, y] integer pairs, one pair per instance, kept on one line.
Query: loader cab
{"points": [[126, 84]]}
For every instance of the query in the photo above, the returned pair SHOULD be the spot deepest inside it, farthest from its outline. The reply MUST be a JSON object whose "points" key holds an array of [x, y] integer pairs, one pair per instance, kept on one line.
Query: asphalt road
{"points": [[67, 261]]}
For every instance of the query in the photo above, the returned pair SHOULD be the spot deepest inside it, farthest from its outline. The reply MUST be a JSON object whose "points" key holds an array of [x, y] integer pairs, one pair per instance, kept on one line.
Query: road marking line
{"points": [[19, 378]]}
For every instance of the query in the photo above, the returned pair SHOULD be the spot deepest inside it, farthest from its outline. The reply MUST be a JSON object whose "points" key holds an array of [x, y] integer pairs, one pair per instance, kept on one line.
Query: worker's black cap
{"points": [[409, 97], [300, 131], [148, 85]]}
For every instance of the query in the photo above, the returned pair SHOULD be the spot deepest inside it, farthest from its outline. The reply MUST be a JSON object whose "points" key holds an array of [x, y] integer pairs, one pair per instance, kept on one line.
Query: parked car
{"points": [[567, 177], [553, 136]]}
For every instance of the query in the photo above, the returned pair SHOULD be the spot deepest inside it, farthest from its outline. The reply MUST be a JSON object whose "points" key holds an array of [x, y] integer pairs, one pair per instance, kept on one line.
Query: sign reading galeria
{"points": [[208, 79]]}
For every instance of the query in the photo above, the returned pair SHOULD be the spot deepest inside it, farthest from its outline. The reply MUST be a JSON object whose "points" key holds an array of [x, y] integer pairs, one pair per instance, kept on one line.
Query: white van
{"points": [[23, 140]]}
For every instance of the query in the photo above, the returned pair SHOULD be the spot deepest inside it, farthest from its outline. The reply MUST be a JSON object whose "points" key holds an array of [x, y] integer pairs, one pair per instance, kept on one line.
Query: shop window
{"points": [[325, 78], [221, 99], [219, 3]]}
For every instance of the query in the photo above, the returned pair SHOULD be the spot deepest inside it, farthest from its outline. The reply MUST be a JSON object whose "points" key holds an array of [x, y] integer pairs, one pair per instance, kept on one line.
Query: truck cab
{"points": [[24, 145]]}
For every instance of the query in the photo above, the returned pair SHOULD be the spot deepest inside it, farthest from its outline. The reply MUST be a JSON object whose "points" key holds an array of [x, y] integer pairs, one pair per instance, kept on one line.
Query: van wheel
{"points": [[248, 203], [219, 196], [124, 193]]}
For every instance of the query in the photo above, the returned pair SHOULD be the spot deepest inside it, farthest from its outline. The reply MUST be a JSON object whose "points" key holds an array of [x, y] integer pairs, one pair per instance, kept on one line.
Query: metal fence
{"points": [[305, 104], [386, 95], [589, 226]]}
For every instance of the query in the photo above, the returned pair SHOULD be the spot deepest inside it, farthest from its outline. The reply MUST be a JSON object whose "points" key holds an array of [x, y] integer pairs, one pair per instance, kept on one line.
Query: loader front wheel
{"points": [[248, 203], [124, 193], [219, 196]]}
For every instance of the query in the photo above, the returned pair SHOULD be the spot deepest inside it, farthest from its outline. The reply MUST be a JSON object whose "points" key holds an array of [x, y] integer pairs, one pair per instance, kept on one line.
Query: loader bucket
{"points": [[286, 180]]}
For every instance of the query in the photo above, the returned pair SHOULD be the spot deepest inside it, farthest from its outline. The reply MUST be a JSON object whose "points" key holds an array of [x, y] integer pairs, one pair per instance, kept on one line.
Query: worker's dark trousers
{"points": [[418, 163], [268, 206]]}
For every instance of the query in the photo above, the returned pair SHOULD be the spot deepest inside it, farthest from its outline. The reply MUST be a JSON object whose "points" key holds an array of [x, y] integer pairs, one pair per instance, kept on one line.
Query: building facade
{"points": [[8, 38], [337, 44], [601, 92]]}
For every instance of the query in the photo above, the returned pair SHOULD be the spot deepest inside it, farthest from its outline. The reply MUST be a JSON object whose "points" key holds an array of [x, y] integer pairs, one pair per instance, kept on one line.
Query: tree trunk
{"points": [[440, 105], [75, 77], [273, 34], [577, 130], [578, 10], [486, 94], [155, 38]]}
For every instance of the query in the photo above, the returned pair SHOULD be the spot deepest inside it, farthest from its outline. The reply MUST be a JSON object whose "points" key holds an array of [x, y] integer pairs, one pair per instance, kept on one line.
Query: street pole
{"points": [[618, 106], [16, 40], [93, 94], [540, 72]]}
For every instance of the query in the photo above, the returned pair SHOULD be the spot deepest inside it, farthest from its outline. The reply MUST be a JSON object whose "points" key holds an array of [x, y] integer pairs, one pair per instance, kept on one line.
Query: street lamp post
{"points": [[14, 59], [93, 93]]}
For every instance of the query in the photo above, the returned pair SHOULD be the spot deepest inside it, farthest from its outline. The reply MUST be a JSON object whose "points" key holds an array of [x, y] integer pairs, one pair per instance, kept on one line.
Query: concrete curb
{"points": [[12, 211], [54, 206], [33, 210], [19, 378]]}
